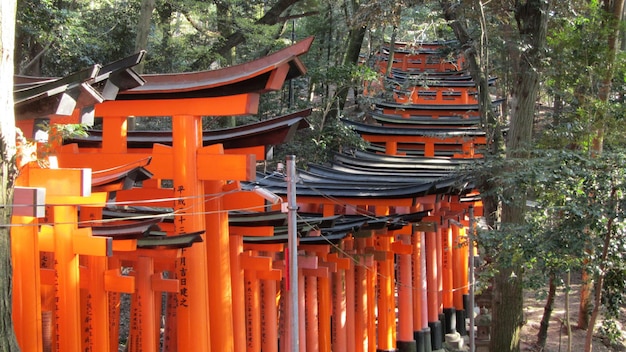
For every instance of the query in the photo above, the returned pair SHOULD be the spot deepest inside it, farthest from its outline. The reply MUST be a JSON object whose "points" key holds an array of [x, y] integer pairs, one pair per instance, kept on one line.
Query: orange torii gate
{"points": [[425, 58], [204, 271]]}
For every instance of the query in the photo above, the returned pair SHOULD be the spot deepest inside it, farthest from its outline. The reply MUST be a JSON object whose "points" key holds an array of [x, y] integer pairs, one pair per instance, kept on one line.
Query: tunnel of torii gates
{"points": [[218, 255]]}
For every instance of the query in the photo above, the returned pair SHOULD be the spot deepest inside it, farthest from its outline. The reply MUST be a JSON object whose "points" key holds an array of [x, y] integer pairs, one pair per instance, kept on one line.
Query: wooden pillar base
{"points": [[436, 335], [406, 346], [461, 327], [449, 320], [423, 340]]}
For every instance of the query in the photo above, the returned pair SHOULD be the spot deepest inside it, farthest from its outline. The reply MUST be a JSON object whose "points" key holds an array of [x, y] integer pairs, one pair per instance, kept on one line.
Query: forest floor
{"points": [[557, 340]]}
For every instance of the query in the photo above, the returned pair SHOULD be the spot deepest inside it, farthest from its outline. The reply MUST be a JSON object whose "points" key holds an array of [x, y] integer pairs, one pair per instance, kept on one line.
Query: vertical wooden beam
{"points": [[26, 283], [218, 269], [238, 292], [447, 275], [193, 309], [405, 286]]}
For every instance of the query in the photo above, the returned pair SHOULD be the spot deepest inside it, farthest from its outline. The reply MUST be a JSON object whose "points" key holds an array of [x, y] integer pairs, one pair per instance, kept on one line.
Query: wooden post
{"points": [[302, 310], [460, 257], [193, 309], [350, 298], [448, 281], [218, 268], [386, 311], [312, 314], [253, 317], [26, 274], [361, 313], [433, 290], [238, 291], [406, 341], [371, 298], [269, 317]]}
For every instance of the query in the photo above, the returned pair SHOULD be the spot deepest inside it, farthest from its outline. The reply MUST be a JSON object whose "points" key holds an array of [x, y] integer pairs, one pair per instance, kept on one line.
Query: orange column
{"points": [[26, 283], [386, 311], [324, 300], [94, 297], [192, 314], [253, 312], [269, 318], [432, 272], [339, 338], [447, 282], [420, 296], [238, 292], [143, 309], [406, 340], [371, 299], [218, 269], [67, 313], [350, 299], [302, 334], [114, 302], [360, 289], [312, 327], [460, 261]]}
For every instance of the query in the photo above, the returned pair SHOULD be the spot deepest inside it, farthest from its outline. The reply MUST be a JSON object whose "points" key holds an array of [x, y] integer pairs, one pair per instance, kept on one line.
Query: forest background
{"points": [[552, 178]]}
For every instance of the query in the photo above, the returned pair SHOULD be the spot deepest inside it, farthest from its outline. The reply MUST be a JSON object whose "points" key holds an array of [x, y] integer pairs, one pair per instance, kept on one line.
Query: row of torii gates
{"points": [[383, 255]]}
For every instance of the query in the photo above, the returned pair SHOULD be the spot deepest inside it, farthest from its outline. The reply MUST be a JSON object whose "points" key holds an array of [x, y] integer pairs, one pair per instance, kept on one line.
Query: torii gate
{"points": [[204, 270]]}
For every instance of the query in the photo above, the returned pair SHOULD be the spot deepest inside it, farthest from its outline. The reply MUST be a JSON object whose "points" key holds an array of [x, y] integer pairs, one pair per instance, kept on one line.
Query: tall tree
{"points": [[143, 29], [525, 54], [531, 17], [8, 171]]}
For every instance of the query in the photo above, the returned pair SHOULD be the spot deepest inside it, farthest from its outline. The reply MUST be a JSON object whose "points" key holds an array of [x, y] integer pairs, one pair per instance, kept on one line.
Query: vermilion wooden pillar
{"points": [[238, 292], [269, 317], [26, 282], [350, 297], [420, 298], [406, 341], [253, 311], [340, 288], [361, 313], [192, 316], [218, 267], [312, 313], [432, 272], [324, 317], [371, 275], [460, 257], [302, 309], [386, 311], [447, 281]]}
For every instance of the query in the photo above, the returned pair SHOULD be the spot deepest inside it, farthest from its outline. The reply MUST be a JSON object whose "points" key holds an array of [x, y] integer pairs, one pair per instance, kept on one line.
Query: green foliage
{"points": [[72, 36], [571, 202]]}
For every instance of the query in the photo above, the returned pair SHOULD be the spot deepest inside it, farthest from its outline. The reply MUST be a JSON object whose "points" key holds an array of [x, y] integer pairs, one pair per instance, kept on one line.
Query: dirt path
{"points": [[557, 333]]}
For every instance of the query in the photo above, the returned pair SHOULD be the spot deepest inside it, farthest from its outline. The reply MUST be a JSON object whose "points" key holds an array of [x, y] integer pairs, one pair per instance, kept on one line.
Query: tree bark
{"points": [[143, 29], [507, 314], [601, 273], [614, 9], [542, 335], [8, 171]]}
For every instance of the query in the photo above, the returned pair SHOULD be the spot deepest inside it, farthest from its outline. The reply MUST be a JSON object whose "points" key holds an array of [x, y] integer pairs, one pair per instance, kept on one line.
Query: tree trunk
{"points": [[8, 171], [507, 315], [601, 270], [542, 335], [567, 323], [143, 29], [615, 9]]}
